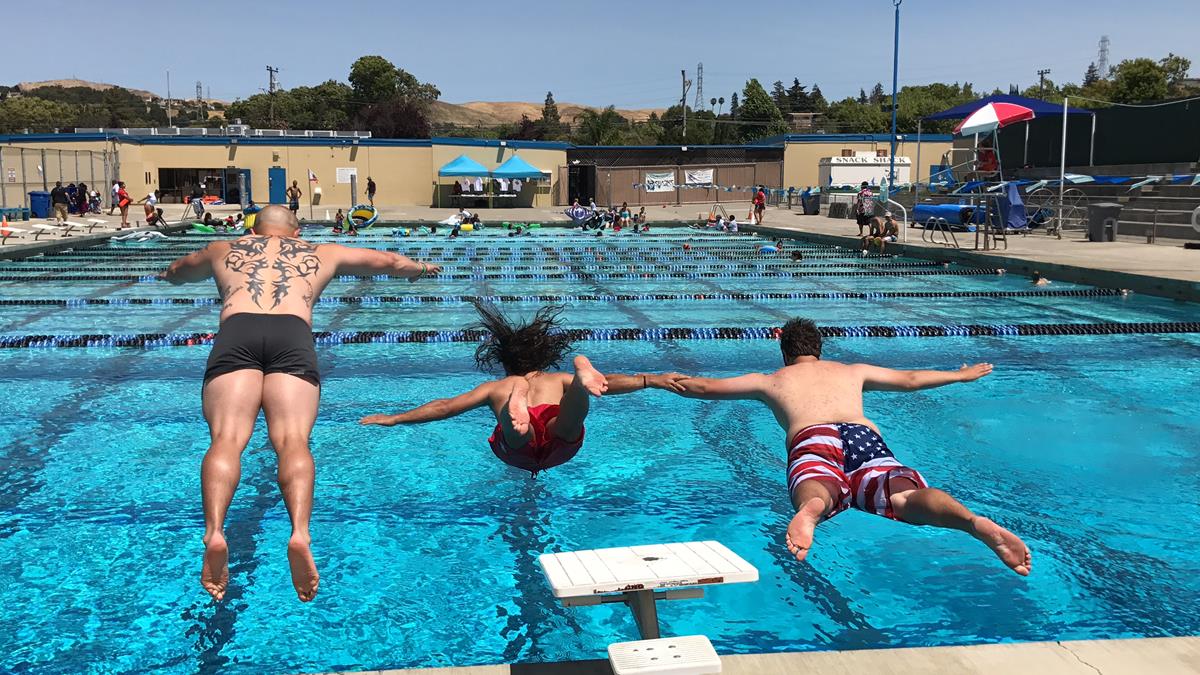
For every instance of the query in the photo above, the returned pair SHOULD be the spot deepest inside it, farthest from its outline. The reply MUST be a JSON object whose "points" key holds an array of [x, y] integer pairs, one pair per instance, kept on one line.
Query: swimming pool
{"points": [[1084, 445]]}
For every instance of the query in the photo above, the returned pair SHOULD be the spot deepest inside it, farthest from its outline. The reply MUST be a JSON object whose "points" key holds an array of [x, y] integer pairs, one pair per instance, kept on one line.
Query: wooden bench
{"points": [[639, 576]]}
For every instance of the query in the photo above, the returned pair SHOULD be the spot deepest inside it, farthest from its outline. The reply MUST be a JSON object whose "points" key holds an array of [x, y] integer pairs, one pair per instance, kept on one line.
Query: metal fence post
{"points": [[3, 183], [24, 182], [42, 167]]}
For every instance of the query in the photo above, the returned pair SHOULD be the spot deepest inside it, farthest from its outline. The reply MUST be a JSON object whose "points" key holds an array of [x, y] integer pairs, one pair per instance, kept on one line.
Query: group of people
{"points": [[263, 358], [614, 218], [77, 199]]}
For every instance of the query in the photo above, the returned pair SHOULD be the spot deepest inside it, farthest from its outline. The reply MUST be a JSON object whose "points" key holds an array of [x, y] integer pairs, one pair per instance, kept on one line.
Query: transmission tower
{"points": [[1102, 57], [699, 87], [199, 92]]}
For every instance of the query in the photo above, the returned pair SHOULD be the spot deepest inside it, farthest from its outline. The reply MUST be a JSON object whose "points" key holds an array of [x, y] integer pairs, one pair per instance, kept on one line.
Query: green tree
{"points": [[779, 96], [758, 113], [817, 100], [850, 116], [374, 79], [35, 114], [700, 127], [1138, 80], [877, 94], [798, 99], [733, 106], [1092, 75], [862, 96], [599, 128], [552, 128]]}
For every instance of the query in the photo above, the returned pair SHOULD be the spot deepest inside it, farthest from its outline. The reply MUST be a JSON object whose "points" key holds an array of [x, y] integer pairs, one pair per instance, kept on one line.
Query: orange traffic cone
{"points": [[4, 225]]}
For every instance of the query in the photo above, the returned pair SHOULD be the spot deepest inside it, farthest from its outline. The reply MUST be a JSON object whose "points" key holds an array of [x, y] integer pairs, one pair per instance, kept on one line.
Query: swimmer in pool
{"points": [[836, 457], [539, 413], [263, 358], [1038, 280]]}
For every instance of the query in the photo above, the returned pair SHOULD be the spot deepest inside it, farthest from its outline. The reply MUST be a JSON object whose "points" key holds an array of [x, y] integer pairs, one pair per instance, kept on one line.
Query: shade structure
{"points": [[1040, 108], [992, 117], [516, 167], [463, 166]]}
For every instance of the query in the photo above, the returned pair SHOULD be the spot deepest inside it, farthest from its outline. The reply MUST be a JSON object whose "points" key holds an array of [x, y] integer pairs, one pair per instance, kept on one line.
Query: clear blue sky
{"points": [[623, 52]]}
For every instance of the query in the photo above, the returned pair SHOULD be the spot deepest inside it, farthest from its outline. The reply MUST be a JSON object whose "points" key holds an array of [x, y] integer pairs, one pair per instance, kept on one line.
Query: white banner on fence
{"points": [[698, 177], [660, 181]]}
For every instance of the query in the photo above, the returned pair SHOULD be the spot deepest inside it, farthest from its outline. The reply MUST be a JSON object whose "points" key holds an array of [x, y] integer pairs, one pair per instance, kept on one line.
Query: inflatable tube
{"points": [[534, 226], [201, 228], [363, 214], [1196, 219], [249, 222], [467, 228], [768, 249], [140, 236]]}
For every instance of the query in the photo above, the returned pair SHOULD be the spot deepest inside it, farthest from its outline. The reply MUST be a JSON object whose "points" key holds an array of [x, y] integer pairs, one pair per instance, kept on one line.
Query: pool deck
{"points": [[1160, 656], [1165, 269]]}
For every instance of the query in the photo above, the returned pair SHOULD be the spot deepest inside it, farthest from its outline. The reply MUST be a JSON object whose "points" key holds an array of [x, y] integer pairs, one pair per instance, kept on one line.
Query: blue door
{"points": [[277, 180]]}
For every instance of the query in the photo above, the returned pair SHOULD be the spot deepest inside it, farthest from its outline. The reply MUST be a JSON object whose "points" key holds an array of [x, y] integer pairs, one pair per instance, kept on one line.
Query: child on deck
{"points": [[539, 414]]}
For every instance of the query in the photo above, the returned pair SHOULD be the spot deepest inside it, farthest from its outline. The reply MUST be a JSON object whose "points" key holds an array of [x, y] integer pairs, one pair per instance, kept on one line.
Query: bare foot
{"points": [[591, 379], [518, 406], [1008, 547], [304, 571], [214, 576], [800, 530]]}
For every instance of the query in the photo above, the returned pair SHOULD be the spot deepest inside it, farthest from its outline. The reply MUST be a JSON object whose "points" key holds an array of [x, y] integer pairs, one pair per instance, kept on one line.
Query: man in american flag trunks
{"points": [[836, 457]]}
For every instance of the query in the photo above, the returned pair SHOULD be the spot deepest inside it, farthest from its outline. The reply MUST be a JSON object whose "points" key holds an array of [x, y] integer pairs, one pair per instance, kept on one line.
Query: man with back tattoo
{"points": [[263, 358]]}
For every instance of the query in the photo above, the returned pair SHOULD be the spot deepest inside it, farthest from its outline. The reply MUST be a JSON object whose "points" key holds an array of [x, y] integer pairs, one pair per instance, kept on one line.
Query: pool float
{"points": [[201, 228], [467, 228], [249, 222], [363, 214], [768, 249], [401, 232]]}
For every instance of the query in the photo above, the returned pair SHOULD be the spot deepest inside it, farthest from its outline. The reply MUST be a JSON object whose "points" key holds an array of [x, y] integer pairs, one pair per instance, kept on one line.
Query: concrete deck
{"points": [[1165, 269], [1160, 656]]}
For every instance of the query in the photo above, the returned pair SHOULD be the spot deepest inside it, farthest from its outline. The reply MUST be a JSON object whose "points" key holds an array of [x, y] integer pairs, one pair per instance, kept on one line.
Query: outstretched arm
{"points": [[886, 379], [623, 384], [438, 409], [369, 262], [744, 387], [196, 266]]}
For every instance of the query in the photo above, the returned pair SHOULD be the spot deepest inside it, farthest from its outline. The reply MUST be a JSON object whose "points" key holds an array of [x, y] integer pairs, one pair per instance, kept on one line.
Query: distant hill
{"points": [[98, 86], [488, 113]]}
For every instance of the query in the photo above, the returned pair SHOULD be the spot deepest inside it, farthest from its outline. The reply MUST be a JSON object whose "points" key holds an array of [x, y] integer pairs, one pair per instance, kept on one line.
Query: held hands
{"points": [[668, 381], [972, 373], [381, 420]]}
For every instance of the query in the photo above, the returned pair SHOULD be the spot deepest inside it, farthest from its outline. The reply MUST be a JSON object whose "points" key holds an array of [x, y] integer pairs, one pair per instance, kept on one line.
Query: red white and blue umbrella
{"points": [[991, 117]]}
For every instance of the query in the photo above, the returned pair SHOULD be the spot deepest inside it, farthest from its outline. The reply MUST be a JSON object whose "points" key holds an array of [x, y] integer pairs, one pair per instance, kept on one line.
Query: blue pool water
{"points": [[1083, 445]]}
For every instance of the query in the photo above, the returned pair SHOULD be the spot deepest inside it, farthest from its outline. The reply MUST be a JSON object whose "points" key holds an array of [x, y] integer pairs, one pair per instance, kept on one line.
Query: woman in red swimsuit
{"points": [[539, 412]]}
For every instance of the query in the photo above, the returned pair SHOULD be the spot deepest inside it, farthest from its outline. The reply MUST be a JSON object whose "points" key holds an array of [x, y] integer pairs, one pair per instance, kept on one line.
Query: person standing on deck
{"points": [[760, 205], [370, 191], [264, 358], [59, 199], [863, 208], [836, 457]]}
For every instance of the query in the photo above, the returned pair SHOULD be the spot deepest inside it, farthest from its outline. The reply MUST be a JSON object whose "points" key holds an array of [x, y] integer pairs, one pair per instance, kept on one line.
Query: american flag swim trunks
{"points": [[854, 458]]}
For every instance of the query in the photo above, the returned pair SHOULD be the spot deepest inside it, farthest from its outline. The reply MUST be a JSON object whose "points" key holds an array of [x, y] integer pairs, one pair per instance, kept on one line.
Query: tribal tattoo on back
{"points": [[296, 260]]}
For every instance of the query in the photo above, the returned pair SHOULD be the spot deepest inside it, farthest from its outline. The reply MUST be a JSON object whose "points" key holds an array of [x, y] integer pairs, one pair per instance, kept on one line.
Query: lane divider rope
{"points": [[327, 338], [631, 297]]}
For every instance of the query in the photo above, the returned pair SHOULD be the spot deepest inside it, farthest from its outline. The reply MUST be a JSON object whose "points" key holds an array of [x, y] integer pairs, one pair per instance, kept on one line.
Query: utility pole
{"points": [[169, 117], [699, 86], [1042, 82], [199, 101], [683, 98], [895, 79], [272, 85]]}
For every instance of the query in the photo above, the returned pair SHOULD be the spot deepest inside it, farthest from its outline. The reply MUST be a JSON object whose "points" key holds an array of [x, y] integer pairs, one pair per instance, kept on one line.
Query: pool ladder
{"points": [[939, 227]]}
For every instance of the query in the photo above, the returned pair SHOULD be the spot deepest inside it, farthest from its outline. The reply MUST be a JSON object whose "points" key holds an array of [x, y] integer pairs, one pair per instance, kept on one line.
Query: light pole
{"points": [[895, 77]]}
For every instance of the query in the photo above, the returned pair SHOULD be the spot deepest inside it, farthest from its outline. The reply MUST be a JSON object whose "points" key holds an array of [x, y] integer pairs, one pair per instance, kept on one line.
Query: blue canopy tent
{"points": [[463, 166], [516, 167], [460, 166]]}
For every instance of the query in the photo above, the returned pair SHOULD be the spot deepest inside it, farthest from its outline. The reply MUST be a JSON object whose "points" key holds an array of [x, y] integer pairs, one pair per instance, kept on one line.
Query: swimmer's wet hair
{"points": [[799, 337], [524, 348]]}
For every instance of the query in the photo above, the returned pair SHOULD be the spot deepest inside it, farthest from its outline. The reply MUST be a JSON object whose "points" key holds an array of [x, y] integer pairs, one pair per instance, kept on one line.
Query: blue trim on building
{"points": [[217, 140], [757, 146], [491, 143], [852, 138]]}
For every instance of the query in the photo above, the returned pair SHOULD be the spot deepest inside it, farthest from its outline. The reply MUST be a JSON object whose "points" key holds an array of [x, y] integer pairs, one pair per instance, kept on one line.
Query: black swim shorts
{"points": [[272, 343]]}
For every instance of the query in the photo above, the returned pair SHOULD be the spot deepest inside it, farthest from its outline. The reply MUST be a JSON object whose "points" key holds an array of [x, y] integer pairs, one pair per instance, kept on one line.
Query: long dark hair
{"points": [[521, 349]]}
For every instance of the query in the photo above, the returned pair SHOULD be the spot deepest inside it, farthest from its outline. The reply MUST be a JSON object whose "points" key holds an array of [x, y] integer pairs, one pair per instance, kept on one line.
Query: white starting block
{"points": [[687, 655], [638, 575]]}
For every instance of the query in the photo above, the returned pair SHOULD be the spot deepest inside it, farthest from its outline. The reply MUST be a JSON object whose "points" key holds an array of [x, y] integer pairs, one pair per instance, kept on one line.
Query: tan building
{"points": [[405, 171]]}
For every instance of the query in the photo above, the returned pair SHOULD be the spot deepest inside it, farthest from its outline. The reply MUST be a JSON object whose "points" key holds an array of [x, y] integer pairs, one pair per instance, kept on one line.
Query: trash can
{"points": [[39, 203], [1102, 221], [812, 204]]}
